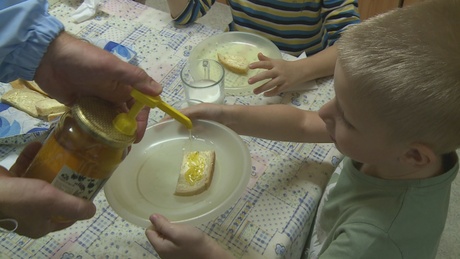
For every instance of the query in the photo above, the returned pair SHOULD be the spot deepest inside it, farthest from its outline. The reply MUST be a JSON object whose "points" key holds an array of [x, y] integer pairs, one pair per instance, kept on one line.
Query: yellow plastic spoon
{"points": [[126, 122]]}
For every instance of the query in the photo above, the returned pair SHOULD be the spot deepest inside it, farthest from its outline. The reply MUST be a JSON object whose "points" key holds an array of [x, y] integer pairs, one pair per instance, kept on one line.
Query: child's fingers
{"points": [[162, 227], [261, 76], [153, 236], [264, 62], [262, 57], [158, 234], [158, 242]]}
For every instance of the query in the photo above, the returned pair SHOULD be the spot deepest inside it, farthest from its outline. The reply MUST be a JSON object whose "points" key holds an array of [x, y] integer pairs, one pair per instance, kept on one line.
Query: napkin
{"points": [[85, 11]]}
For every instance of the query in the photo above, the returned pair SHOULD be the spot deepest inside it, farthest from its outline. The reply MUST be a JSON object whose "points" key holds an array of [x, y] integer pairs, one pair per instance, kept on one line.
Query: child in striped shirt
{"points": [[310, 26]]}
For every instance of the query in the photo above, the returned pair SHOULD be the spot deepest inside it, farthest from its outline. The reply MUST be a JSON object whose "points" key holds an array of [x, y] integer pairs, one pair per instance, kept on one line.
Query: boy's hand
{"points": [[181, 241], [283, 74]]}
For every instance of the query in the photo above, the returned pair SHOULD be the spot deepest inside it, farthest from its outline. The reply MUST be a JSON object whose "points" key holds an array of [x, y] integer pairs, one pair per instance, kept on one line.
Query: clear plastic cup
{"points": [[203, 80]]}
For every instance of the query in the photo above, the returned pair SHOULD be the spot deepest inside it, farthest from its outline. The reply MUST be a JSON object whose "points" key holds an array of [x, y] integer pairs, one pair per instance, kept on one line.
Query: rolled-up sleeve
{"points": [[26, 31], [194, 10], [338, 15]]}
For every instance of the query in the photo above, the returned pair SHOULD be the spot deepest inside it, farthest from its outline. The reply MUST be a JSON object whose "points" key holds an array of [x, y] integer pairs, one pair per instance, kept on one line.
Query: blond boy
{"points": [[396, 118]]}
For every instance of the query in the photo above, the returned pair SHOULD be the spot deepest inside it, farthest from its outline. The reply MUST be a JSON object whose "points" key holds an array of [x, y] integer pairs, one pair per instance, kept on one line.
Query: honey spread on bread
{"points": [[196, 173], [196, 164]]}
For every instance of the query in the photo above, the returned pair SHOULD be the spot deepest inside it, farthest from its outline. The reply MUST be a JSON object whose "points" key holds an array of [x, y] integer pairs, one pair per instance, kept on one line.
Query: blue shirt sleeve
{"points": [[26, 31], [194, 10]]}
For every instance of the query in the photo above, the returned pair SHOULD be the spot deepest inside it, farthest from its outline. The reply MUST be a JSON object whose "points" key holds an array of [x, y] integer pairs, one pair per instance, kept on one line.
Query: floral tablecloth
{"points": [[270, 220]]}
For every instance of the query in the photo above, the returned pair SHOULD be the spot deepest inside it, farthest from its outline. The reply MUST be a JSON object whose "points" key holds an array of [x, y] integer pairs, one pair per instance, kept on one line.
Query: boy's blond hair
{"points": [[406, 64]]}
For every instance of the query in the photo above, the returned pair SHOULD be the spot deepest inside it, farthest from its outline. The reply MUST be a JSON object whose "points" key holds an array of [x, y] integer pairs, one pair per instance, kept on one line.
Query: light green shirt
{"points": [[361, 216]]}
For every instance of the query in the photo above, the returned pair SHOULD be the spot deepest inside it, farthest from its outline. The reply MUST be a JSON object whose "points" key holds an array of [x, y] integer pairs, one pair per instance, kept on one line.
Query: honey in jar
{"points": [[83, 150]]}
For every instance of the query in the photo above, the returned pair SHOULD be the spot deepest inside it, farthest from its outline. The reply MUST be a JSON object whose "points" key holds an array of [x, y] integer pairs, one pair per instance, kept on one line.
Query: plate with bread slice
{"points": [[235, 51], [188, 176]]}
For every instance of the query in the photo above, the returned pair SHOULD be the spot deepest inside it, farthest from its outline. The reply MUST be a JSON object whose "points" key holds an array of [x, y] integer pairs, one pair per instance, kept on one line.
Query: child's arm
{"points": [[182, 241], [275, 122], [186, 11], [176, 7], [285, 74]]}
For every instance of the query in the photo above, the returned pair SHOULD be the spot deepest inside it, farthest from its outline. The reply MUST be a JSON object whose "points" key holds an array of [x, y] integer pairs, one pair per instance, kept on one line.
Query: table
{"points": [[270, 220]]}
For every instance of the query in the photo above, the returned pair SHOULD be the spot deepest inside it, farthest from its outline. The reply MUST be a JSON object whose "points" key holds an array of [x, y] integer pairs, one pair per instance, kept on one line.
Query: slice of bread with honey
{"points": [[236, 64], [196, 173]]}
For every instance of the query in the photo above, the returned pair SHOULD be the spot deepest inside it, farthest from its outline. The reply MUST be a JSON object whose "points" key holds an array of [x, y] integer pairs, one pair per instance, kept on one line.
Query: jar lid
{"points": [[96, 116]]}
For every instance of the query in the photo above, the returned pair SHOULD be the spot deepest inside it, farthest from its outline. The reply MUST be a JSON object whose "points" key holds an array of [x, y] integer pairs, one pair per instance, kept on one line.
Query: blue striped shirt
{"points": [[294, 26]]}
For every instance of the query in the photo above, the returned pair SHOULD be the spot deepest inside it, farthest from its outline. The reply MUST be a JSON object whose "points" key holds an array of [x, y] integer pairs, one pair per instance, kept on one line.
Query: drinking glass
{"points": [[203, 80]]}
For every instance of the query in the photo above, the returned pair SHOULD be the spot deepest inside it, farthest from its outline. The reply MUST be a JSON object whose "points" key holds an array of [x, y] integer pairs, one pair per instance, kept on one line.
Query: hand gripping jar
{"points": [[83, 150]]}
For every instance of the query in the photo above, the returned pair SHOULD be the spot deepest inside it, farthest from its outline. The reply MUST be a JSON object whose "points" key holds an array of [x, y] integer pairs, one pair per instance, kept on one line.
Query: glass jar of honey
{"points": [[83, 150]]}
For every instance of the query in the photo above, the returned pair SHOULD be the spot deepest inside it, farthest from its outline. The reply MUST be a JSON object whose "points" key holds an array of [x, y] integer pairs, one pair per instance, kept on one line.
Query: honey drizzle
{"points": [[196, 165]]}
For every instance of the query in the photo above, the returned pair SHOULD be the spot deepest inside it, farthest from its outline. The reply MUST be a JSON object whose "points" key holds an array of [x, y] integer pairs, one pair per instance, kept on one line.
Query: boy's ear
{"points": [[419, 155]]}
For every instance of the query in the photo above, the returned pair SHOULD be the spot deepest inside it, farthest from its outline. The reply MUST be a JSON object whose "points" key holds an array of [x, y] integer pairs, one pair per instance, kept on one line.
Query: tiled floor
{"points": [[219, 16]]}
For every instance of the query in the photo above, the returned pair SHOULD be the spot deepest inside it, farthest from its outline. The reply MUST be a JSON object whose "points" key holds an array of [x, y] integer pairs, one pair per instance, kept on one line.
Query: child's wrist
{"points": [[214, 250]]}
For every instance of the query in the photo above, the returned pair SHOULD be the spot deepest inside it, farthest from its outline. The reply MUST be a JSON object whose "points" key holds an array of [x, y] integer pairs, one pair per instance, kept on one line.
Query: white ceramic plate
{"points": [[145, 181], [243, 44]]}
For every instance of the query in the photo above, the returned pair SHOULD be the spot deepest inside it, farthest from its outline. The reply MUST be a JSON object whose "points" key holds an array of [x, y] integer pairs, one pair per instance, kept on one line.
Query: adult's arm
{"points": [[35, 47], [26, 32]]}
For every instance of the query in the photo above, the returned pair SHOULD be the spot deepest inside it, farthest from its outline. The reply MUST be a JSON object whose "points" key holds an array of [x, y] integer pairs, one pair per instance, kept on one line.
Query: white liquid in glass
{"points": [[204, 92]]}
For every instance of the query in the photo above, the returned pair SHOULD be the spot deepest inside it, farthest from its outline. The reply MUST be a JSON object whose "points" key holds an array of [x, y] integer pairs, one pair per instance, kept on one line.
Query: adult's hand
{"points": [[72, 68], [35, 204]]}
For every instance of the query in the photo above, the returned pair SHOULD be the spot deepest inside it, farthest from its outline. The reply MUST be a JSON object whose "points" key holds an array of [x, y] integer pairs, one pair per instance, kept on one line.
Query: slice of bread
{"points": [[17, 84], [21, 83], [196, 173], [32, 102], [33, 86], [49, 106], [236, 64], [54, 116], [23, 99]]}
